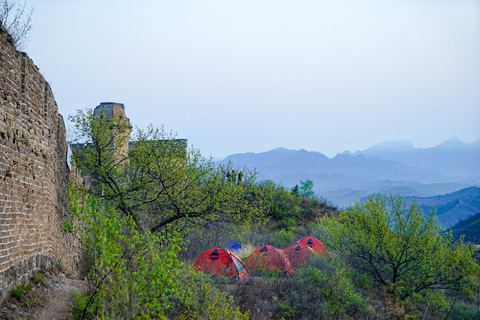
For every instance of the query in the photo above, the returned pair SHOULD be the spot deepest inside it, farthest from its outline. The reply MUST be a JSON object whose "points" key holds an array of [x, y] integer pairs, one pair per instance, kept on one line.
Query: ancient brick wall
{"points": [[33, 173]]}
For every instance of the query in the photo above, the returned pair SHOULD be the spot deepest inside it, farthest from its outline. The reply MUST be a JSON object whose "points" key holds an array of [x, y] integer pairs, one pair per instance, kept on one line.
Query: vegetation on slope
{"points": [[469, 228], [144, 217]]}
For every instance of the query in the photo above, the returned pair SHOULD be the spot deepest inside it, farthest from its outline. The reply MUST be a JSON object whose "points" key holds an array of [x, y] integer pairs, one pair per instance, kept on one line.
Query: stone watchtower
{"points": [[115, 111]]}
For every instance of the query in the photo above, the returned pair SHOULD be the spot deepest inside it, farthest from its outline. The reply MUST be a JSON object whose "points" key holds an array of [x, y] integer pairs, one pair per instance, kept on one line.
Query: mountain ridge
{"points": [[452, 207], [465, 157], [450, 166]]}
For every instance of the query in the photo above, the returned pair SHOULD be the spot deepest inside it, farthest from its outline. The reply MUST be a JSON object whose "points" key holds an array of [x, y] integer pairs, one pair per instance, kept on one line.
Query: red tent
{"points": [[315, 244], [269, 258], [298, 254], [220, 262]]}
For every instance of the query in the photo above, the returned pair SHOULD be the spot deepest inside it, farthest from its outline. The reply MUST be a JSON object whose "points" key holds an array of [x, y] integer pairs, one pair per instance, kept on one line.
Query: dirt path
{"points": [[57, 306], [49, 299]]}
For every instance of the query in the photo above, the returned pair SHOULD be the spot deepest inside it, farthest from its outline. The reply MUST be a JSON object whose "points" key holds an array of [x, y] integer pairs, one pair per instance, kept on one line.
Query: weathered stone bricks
{"points": [[33, 173]]}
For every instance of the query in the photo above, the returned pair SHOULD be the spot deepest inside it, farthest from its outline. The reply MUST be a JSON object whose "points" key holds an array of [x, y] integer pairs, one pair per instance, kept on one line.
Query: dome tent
{"points": [[270, 259], [220, 262], [315, 245], [298, 254]]}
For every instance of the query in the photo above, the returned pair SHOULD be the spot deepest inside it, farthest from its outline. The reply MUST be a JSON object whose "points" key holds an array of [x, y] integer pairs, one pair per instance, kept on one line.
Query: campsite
{"points": [[265, 259], [136, 181]]}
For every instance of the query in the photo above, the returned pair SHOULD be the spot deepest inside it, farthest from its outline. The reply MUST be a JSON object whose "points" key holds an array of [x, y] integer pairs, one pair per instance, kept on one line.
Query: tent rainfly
{"points": [[220, 262], [270, 259], [298, 254], [315, 245]]}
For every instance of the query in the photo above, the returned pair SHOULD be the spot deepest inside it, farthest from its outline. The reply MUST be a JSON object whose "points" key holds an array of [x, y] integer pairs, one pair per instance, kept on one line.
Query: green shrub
{"points": [[340, 294], [38, 278], [285, 308], [312, 293], [283, 238], [463, 311], [20, 291], [136, 275]]}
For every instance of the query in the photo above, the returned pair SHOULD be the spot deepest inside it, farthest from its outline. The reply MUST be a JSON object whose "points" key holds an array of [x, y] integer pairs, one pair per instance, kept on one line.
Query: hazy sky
{"points": [[238, 76]]}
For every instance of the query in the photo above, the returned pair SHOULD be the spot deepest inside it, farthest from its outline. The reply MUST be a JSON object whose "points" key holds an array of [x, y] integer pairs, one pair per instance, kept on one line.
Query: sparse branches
{"points": [[17, 20], [158, 183]]}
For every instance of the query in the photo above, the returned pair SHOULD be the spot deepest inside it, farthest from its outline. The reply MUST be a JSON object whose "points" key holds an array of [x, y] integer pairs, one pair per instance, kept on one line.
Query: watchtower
{"points": [[116, 112]]}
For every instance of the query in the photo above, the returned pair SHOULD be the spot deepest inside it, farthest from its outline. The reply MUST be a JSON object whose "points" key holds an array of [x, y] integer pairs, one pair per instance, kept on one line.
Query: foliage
{"points": [[158, 184], [135, 275], [283, 238], [16, 20], [402, 249], [468, 228], [20, 291], [463, 311], [38, 278], [321, 291], [306, 188], [295, 190], [285, 209], [277, 204]]}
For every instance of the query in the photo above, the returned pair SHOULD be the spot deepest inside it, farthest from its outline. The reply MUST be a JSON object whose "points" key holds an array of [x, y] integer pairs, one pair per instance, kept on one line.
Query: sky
{"points": [[251, 76]]}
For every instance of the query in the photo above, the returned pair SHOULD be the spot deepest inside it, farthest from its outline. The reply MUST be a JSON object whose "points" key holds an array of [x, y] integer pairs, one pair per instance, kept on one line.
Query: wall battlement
{"points": [[33, 173]]}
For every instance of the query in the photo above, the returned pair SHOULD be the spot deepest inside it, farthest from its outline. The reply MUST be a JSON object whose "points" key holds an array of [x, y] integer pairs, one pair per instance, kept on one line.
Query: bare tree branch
{"points": [[17, 20]]}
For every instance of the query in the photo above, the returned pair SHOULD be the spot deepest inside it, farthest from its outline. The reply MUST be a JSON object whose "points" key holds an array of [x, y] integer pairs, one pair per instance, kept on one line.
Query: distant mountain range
{"points": [[452, 158], [451, 208], [388, 167]]}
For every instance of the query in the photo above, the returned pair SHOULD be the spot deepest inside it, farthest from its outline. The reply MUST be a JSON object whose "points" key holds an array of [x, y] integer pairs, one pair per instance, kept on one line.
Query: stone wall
{"points": [[33, 173]]}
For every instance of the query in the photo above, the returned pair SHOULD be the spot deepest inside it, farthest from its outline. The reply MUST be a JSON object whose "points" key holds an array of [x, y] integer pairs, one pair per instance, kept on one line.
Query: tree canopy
{"points": [[402, 248], [155, 180]]}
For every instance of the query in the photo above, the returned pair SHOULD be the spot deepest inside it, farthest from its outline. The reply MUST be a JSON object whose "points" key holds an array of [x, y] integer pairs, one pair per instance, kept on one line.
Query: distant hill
{"points": [[470, 228], [452, 207], [389, 167], [452, 157]]}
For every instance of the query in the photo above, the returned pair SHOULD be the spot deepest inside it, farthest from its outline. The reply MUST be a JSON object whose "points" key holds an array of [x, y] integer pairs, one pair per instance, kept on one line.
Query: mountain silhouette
{"points": [[388, 167]]}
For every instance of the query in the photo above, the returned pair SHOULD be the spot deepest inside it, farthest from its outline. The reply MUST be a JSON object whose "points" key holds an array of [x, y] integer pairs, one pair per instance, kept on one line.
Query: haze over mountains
{"points": [[452, 207], [388, 167]]}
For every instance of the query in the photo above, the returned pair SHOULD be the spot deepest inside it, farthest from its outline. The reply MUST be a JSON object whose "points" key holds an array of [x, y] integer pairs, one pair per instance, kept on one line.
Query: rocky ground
{"points": [[50, 297]]}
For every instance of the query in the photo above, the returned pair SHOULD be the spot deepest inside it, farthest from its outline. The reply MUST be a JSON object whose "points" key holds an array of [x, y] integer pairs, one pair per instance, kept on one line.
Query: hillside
{"points": [[452, 207], [470, 228]]}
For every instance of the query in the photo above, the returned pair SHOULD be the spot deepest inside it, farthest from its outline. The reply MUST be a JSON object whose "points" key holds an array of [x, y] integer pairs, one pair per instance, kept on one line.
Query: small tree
{"points": [[307, 188], [295, 191], [402, 248], [17, 20]]}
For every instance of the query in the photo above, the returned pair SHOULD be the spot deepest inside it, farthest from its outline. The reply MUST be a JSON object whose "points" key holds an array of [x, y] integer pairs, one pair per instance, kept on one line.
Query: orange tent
{"points": [[315, 245], [270, 259], [220, 262], [298, 254]]}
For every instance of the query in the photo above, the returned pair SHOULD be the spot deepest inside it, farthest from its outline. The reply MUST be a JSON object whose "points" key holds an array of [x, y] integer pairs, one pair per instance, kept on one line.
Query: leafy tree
{"points": [[157, 182], [17, 21], [402, 248], [295, 190], [307, 188], [134, 275]]}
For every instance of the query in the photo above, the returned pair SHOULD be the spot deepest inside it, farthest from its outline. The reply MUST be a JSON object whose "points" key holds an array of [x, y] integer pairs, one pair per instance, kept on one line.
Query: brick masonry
{"points": [[33, 173]]}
